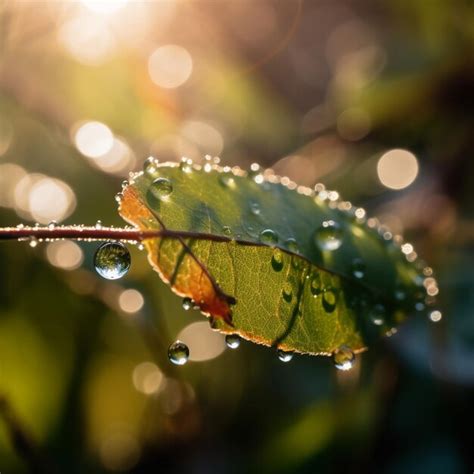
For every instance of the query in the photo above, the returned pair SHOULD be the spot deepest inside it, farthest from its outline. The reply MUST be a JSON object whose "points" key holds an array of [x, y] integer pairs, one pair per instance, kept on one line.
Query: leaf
{"points": [[248, 249]]}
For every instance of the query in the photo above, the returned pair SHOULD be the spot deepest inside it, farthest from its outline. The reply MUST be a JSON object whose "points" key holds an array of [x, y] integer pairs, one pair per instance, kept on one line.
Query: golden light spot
{"points": [[170, 66], [64, 254], [93, 139], [397, 169], [147, 378], [131, 301], [204, 344]]}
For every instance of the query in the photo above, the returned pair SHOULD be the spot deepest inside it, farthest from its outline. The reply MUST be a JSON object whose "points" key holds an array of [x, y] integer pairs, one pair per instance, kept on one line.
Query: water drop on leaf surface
{"points": [[329, 236], [161, 188], [269, 237], [112, 260]]}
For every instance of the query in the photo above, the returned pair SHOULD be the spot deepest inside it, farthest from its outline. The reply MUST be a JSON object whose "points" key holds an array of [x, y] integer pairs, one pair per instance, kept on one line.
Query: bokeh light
{"points": [[64, 254], [170, 66], [93, 139], [204, 344], [147, 378], [131, 301], [397, 169], [119, 160], [104, 6]]}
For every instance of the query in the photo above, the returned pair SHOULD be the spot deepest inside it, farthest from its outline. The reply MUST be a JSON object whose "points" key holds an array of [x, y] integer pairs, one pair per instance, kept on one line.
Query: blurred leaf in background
{"points": [[375, 100]]}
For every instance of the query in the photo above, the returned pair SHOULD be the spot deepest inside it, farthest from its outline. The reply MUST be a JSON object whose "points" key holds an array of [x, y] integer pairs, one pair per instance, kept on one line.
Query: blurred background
{"points": [[374, 99]]}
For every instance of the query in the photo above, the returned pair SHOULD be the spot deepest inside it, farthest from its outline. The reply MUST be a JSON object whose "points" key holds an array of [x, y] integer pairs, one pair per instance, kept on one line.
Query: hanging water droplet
{"points": [[316, 285], [52, 225], [292, 245], [178, 353], [254, 208], [187, 303], [287, 291], [358, 268], [33, 242], [161, 188], [329, 299], [377, 314], [277, 260], [232, 341], [98, 225], [329, 236], [269, 237], [119, 197], [343, 358], [284, 356], [227, 230], [112, 260], [227, 180]]}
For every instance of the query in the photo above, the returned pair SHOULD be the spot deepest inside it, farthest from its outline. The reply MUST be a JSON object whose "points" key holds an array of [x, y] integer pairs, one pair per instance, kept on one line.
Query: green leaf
{"points": [[278, 264]]}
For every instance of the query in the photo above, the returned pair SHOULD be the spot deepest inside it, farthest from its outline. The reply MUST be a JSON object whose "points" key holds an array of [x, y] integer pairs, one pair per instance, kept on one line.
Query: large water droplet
{"points": [[284, 356], [329, 299], [316, 285], [161, 188], [112, 260], [277, 260], [377, 314], [287, 291], [232, 341], [358, 268], [269, 237], [187, 303], [329, 236], [344, 358], [178, 353]]}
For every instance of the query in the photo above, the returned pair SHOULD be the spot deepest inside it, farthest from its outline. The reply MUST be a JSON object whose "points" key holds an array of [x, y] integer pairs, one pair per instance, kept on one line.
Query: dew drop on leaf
{"points": [[149, 166], [328, 236], [377, 314], [269, 237], [343, 358], [178, 353], [316, 285], [232, 341], [227, 230], [358, 268], [329, 300], [284, 356], [287, 291], [112, 260], [227, 180], [292, 245], [277, 260], [187, 303], [161, 188]]}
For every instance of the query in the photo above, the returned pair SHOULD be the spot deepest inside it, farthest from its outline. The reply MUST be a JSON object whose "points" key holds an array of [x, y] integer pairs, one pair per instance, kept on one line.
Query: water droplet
{"points": [[316, 285], [287, 291], [119, 197], [227, 230], [98, 225], [187, 303], [344, 358], [232, 341], [377, 314], [161, 188], [52, 225], [254, 208], [284, 356], [140, 246], [329, 299], [149, 166], [178, 353], [358, 268], [112, 260], [33, 242], [329, 236], [186, 165], [227, 180], [277, 260], [269, 237], [292, 245]]}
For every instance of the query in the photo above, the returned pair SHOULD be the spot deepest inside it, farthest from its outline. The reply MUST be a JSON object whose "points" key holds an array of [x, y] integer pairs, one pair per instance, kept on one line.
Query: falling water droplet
{"points": [[232, 341], [287, 291], [178, 353], [161, 188], [329, 236], [316, 285], [292, 245], [284, 356], [269, 237], [344, 358], [329, 299], [112, 260], [358, 268], [277, 260], [377, 314], [187, 303]]}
